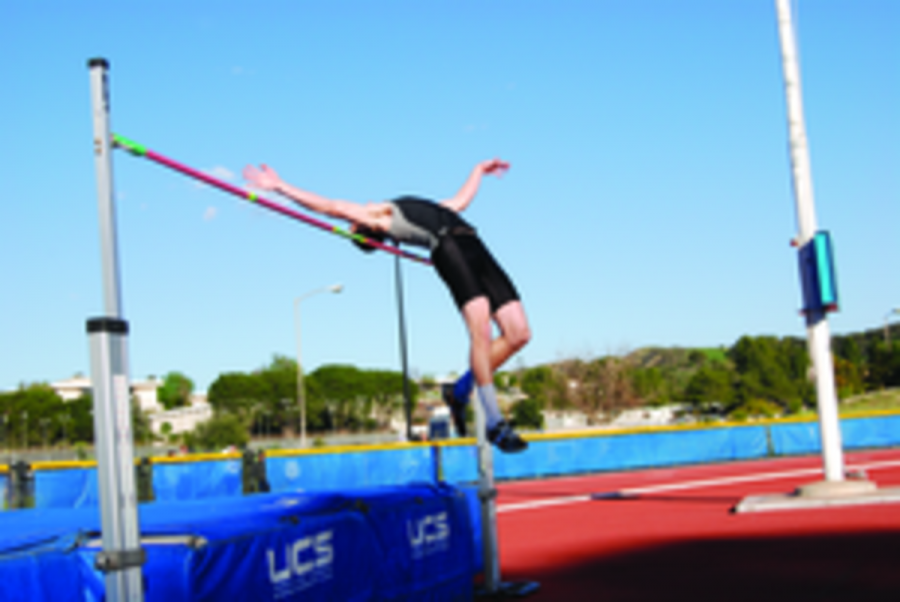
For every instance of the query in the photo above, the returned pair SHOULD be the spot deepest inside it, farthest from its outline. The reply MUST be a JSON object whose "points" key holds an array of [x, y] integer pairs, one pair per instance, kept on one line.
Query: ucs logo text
{"points": [[301, 564], [429, 534]]}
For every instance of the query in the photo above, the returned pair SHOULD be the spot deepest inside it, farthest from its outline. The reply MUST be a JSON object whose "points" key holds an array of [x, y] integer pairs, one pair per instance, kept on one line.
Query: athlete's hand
{"points": [[496, 167], [262, 177]]}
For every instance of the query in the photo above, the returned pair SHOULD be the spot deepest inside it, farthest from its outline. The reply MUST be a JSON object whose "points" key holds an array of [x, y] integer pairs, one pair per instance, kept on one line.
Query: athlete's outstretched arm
{"points": [[470, 188], [265, 178]]}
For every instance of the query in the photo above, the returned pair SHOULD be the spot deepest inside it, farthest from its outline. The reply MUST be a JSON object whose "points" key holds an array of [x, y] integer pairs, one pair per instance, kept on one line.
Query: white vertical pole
{"points": [[122, 557], [103, 164], [818, 333]]}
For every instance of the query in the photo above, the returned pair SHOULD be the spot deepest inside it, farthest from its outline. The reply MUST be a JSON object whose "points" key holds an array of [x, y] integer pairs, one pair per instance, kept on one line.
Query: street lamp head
{"points": [[336, 288]]}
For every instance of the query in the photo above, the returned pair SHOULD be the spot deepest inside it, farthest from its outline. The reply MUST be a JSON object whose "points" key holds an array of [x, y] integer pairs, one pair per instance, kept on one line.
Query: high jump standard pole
{"points": [[493, 586], [122, 557], [818, 332]]}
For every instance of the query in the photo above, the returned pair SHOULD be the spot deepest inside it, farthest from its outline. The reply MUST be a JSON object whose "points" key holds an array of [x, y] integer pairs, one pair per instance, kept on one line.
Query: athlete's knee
{"points": [[519, 335], [514, 324]]}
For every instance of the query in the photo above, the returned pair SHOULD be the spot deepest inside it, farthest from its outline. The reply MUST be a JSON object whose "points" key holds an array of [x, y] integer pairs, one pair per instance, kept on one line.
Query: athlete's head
{"points": [[369, 233]]}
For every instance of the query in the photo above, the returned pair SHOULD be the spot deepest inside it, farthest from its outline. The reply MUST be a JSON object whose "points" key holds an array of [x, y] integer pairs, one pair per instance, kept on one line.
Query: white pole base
{"points": [[822, 494]]}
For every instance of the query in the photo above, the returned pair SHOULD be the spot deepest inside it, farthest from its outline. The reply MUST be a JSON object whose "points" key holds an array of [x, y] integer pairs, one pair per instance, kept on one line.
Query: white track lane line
{"points": [[574, 499]]}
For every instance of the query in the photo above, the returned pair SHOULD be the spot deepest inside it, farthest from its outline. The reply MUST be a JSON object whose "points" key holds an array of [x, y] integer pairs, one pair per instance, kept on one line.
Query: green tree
{"points": [[544, 386], [175, 391], [217, 433], [527, 414], [771, 369], [81, 427], [278, 390], [141, 430], [710, 383], [339, 391], [236, 393], [754, 408], [345, 397], [29, 415], [652, 386], [385, 389], [884, 365], [848, 378]]}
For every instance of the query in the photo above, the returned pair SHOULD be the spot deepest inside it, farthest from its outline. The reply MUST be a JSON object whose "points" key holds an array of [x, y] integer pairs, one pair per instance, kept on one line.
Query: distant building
{"points": [[660, 416], [72, 388], [562, 420], [181, 420], [145, 392]]}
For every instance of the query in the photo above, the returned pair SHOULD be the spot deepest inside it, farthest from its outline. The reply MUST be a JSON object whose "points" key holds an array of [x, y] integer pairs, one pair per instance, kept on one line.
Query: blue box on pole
{"points": [[817, 274]]}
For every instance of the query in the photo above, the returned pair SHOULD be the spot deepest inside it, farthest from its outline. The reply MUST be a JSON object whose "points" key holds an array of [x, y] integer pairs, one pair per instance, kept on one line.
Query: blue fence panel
{"points": [[797, 438], [69, 488], [871, 432], [690, 447], [459, 463], [75, 488], [197, 480], [336, 472], [630, 451]]}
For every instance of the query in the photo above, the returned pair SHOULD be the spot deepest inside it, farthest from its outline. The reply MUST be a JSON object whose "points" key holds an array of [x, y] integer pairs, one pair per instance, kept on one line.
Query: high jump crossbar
{"points": [[140, 150]]}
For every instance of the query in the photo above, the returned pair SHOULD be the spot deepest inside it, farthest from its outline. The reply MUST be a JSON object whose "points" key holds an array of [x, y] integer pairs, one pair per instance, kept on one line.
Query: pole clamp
{"points": [[489, 493], [120, 560]]}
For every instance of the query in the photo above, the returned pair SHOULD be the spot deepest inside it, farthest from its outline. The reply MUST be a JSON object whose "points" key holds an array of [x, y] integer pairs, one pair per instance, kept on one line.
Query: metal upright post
{"points": [[401, 318], [493, 586], [122, 556], [487, 495]]}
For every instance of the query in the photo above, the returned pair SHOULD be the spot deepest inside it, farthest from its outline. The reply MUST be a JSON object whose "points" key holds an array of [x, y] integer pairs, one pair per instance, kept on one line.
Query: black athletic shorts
{"points": [[470, 271]]}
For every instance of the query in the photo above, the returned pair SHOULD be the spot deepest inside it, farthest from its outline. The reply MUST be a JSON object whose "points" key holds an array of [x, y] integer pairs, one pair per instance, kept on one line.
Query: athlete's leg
{"points": [[477, 315], [478, 320], [457, 261], [514, 333]]}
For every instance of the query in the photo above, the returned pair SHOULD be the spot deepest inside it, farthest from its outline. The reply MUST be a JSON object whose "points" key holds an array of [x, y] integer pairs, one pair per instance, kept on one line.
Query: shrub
{"points": [[527, 414]]}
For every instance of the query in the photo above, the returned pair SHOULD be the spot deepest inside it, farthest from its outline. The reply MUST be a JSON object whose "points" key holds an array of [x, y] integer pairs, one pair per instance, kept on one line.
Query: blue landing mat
{"points": [[415, 542]]}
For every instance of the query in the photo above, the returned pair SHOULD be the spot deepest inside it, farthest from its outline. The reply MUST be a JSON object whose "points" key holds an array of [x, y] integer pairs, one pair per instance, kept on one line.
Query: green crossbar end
{"points": [[252, 196], [346, 233], [131, 146]]}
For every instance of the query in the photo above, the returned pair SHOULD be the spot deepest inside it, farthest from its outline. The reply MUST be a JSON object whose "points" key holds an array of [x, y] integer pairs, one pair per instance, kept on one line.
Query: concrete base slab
{"points": [[836, 489], [824, 494]]}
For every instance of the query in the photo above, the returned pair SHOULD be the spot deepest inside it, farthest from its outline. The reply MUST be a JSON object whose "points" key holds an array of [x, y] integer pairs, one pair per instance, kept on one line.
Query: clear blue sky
{"points": [[649, 201]]}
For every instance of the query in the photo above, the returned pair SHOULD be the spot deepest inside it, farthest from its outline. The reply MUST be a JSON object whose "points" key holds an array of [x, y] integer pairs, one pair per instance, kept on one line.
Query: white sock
{"points": [[491, 410]]}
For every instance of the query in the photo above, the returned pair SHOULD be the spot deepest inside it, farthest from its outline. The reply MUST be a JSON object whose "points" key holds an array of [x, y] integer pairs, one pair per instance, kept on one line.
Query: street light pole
{"points": [[301, 395]]}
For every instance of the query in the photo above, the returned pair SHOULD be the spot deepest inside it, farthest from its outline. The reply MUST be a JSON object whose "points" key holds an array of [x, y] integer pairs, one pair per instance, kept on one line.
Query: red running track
{"points": [[673, 536]]}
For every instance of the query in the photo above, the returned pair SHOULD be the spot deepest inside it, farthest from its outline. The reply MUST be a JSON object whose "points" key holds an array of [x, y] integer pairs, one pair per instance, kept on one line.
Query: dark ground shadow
{"points": [[836, 567]]}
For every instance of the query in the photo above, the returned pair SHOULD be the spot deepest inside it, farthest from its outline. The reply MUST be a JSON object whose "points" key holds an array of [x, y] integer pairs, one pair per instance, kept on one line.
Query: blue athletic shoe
{"points": [[506, 439], [457, 408]]}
